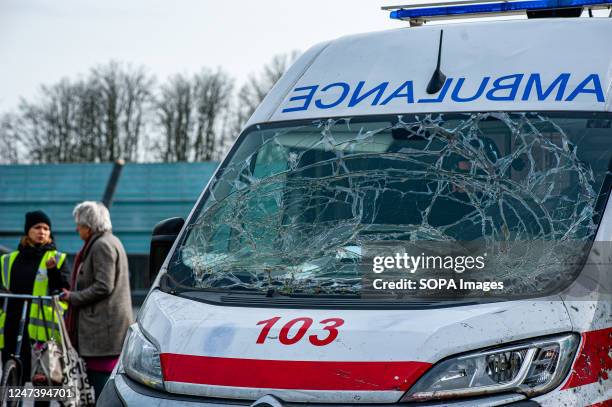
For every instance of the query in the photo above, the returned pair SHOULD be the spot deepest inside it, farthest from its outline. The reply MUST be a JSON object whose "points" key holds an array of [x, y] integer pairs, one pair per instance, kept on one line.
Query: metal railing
{"points": [[25, 296], [24, 314]]}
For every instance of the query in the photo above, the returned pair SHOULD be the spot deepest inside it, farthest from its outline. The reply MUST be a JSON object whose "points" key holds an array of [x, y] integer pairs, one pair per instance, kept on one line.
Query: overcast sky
{"points": [[42, 41]]}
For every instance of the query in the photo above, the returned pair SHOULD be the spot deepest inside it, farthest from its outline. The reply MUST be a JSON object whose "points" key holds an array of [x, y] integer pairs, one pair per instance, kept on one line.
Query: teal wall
{"points": [[145, 194]]}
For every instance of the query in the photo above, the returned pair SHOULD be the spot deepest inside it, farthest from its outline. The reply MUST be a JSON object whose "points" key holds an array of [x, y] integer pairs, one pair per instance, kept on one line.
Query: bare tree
{"points": [[90, 125], [48, 129], [123, 96], [174, 107], [213, 91], [10, 151], [100, 118], [190, 114], [113, 111], [252, 93]]}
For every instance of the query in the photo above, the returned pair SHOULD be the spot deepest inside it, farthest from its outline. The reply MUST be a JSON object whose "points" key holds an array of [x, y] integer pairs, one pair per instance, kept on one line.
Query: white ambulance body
{"points": [[224, 346]]}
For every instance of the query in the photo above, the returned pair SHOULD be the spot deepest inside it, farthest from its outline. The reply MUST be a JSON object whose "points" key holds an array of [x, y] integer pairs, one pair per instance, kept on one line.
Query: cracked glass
{"points": [[296, 204]]}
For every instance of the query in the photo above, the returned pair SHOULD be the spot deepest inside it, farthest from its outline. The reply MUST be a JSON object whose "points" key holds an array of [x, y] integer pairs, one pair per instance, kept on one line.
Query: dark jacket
{"points": [[102, 298], [23, 274]]}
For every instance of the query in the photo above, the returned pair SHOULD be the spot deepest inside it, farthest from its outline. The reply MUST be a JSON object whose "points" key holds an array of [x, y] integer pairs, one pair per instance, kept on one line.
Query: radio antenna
{"points": [[438, 78]]}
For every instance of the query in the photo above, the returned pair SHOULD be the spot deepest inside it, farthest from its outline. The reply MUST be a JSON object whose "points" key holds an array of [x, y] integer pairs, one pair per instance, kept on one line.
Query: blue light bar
{"points": [[484, 8]]}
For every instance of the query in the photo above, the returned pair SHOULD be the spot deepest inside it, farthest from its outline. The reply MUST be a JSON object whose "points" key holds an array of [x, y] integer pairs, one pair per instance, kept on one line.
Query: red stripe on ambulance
{"points": [[607, 403], [593, 361], [291, 375]]}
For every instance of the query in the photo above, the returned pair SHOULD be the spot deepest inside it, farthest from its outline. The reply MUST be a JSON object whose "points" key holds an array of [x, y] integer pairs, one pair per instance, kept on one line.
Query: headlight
{"points": [[531, 368], [140, 359]]}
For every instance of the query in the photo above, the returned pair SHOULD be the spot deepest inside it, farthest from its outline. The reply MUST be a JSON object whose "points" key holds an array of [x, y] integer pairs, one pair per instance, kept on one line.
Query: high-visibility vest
{"points": [[36, 326]]}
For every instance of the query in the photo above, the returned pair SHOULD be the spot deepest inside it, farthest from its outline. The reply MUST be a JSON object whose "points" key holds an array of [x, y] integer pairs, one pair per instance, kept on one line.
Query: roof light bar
{"points": [[445, 10]]}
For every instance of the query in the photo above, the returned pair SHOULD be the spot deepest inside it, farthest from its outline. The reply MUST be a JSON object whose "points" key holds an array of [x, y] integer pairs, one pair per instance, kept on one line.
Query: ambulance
{"points": [[486, 130]]}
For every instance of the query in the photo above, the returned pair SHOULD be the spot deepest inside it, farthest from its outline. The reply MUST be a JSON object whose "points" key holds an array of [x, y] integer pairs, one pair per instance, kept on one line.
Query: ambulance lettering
{"points": [[302, 324], [508, 88]]}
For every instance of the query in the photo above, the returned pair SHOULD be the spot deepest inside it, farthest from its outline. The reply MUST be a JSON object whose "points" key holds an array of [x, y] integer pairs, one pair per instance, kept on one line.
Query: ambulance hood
{"points": [[220, 351], [520, 65]]}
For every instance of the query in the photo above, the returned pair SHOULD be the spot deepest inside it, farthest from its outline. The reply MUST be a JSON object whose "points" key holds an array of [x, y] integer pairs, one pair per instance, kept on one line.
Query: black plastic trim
{"points": [[524, 403], [261, 301], [109, 396], [149, 392]]}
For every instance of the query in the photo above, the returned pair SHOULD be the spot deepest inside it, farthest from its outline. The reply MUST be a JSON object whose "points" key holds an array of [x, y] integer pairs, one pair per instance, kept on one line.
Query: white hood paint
{"points": [[187, 327]]}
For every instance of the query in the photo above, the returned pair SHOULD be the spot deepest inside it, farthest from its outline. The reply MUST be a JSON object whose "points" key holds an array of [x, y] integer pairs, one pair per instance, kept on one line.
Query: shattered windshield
{"points": [[297, 203]]}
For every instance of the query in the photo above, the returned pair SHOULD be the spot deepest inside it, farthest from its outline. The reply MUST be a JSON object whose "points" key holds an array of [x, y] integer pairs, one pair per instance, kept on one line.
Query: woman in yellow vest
{"points": [[35, 268]]}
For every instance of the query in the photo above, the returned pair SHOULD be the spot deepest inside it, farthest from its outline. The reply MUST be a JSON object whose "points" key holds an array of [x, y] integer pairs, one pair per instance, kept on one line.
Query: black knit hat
{"points": [[35, 217]]}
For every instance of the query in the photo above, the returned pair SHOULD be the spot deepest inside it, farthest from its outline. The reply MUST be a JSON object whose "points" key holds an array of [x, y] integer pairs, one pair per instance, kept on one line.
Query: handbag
{"points": [[75, 372], [46, 362]]}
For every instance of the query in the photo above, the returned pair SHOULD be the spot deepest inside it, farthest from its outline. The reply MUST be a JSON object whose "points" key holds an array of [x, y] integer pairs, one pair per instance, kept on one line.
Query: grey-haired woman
{"points": [[99, 297]]}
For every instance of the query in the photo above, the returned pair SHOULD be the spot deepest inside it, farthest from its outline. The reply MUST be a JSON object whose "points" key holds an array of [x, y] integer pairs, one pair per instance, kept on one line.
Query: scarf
{"points": [[72, 313]]}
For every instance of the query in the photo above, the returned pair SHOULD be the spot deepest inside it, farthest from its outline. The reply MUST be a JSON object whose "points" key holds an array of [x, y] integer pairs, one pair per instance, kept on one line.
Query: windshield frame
{"points": [[175, 288]]}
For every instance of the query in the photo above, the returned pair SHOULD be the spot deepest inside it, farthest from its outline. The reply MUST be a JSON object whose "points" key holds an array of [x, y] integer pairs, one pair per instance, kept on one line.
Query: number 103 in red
{"points": [[330, 325]]}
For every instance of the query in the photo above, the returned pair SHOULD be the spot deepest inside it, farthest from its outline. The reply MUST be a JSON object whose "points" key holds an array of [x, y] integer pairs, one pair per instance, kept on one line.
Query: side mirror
{"points": [[162, 239]]}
